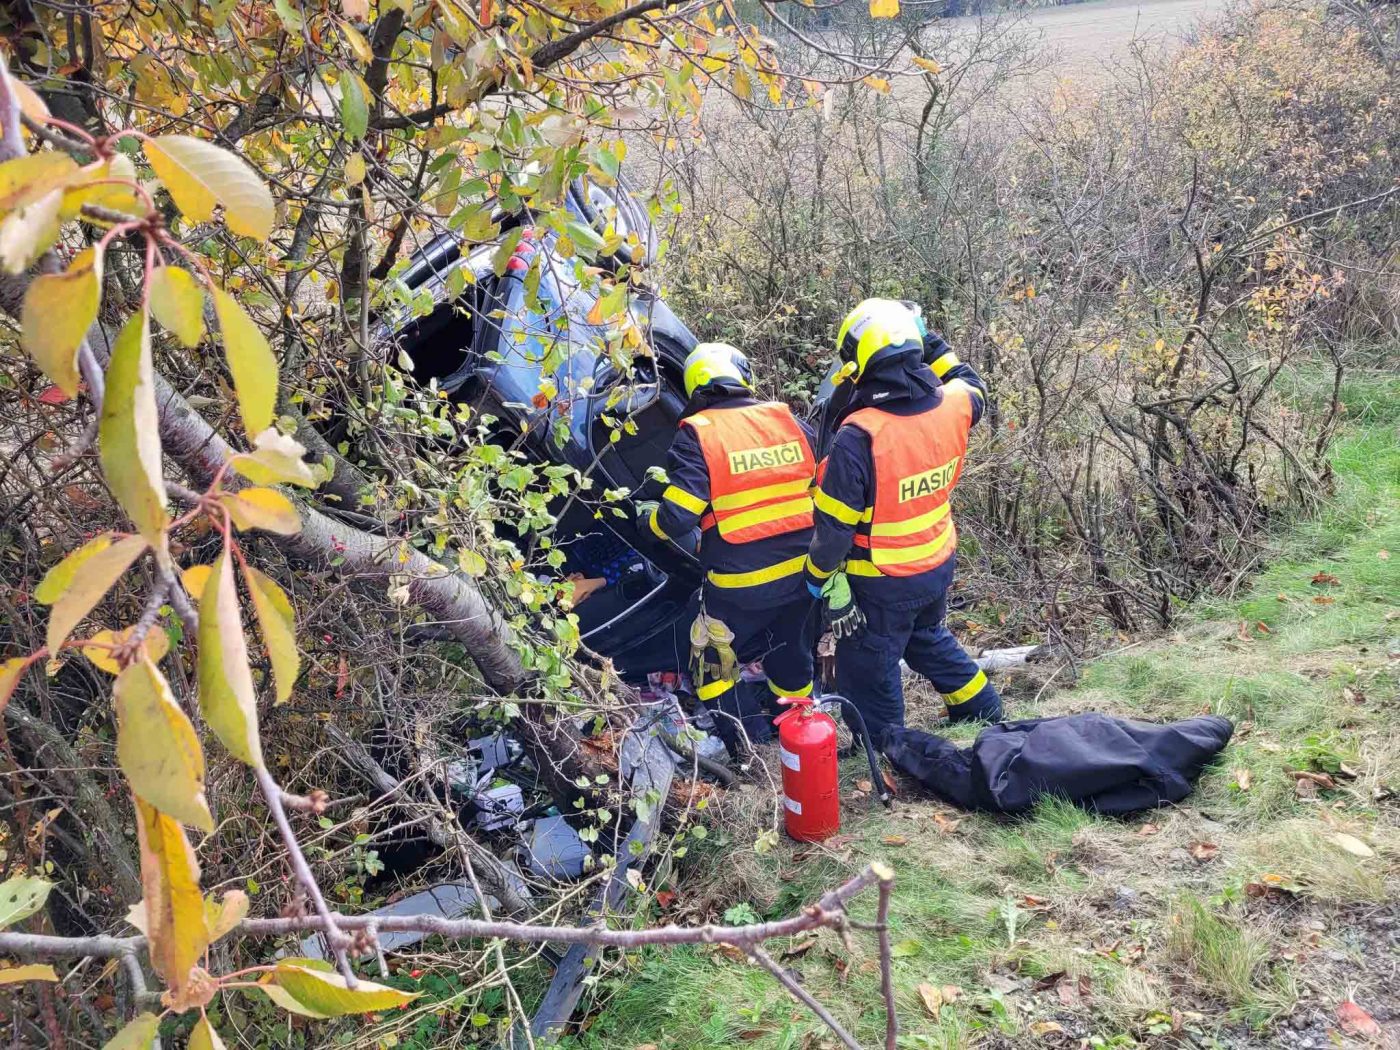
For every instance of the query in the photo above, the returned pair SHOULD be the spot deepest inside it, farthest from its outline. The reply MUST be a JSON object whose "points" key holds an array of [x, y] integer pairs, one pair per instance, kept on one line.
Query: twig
{"points": [[882, 920], [337, 940], [801, 994]]}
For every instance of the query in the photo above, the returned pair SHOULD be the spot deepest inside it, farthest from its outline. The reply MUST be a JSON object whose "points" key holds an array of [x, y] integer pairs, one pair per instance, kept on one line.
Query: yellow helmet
{"points": [[874, 326], [711, 361]]}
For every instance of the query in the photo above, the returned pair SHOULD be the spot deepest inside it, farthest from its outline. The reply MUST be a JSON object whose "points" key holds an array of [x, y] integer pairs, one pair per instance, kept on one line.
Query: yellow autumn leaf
{"points": [[221, 916], [28, 232], [204, 1037], [884, 8], [128, 432], [265, 509], [25, 179], [103, 188], [358, 44], [928, 65], [30, 104], [277, 459], [73, 593], [250, 361], [58, 310], [355, 170], [200, 175], [157, 747], [194, 578], [177, 302], [325, 993], [277, 624], [175, 932], [32, 972], [11, 671], [880, 84], [226, 693], [137, 1034], [98, 648]]}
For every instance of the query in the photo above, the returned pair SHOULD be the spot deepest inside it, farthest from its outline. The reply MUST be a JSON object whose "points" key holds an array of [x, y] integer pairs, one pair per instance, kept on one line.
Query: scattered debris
{"points": [[1357, 1022], [555, 849], [1203, 852]]}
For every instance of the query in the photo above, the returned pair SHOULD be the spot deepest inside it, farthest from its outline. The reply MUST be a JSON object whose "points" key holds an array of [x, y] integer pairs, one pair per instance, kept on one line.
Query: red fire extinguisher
{"points": [[807, 745]]}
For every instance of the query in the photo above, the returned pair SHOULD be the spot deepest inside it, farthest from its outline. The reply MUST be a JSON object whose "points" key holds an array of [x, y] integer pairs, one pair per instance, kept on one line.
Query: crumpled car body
{"points": [[483, 345]]}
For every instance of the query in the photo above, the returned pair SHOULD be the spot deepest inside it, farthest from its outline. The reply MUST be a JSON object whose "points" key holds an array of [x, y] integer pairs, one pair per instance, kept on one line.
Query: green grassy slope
{"points": [[1242, 918]]}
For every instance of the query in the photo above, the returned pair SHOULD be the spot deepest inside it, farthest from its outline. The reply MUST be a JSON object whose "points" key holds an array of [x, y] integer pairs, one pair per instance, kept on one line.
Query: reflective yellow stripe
{"points": [[820, 574], [944, 363], [753, 579], [738, 500], [958, 384], [967, 692], [776, 690], [842, 512], [655, 528], [910, 525], [682, 498], [763, 515], [904, 555], [861, 567], [710, 690]]}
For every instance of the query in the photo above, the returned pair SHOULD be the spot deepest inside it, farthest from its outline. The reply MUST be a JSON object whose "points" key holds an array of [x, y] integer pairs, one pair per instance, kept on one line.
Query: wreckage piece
{"points": [[450, 900], [648, 767], [1107, 765], [1011, 659]]}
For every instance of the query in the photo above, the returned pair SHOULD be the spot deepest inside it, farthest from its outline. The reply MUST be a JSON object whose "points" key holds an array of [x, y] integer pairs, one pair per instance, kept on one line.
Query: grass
{"points": [[1065, 928]]}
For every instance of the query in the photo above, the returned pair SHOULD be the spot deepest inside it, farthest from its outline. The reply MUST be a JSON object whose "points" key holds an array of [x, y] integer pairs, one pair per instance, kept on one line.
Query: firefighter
{"points": [[883, 547], [742, 469]]}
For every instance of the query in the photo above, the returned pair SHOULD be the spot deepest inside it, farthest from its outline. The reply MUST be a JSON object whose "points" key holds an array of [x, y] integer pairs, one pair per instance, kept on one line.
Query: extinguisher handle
{"points": [[796, 705]]}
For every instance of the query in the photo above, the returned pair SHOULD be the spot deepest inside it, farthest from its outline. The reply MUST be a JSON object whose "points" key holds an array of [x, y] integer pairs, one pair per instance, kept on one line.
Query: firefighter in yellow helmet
{"points": [[883, 517], [742, 470]]}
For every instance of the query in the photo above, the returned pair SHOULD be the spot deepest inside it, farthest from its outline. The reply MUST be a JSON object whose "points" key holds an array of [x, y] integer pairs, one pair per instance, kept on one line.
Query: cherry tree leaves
{"points": [[200, 176]]}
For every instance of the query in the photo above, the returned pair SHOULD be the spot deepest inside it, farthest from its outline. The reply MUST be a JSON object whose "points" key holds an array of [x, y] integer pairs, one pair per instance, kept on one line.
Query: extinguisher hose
{"points": [[857, 723]]}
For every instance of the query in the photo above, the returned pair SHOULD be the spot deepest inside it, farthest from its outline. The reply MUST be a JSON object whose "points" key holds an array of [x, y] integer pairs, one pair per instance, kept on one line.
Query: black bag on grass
{"points": [[1110, 765]]}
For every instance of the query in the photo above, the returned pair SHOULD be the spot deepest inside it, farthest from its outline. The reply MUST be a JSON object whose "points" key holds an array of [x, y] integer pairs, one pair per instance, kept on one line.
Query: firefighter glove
{"points": [[842, 612]]}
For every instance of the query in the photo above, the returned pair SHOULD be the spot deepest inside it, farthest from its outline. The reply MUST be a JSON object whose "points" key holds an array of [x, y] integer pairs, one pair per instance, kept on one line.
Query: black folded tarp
{"points": [[1110, 765]]}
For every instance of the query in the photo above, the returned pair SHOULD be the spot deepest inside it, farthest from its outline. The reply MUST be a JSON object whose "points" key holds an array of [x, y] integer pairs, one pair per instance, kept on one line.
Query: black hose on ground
{"points": [[856, 721]]}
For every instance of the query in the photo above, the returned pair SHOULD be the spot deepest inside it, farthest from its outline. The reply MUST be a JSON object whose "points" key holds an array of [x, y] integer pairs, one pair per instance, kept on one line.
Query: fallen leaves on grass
{"points": [[895, 840], [1357, 1022], [1325, 579], [1043, 1028], [935, 997], [1203, 852], [1148, 830], [1243, 779], [1323, 599], [864, 785], [1383, 555], [800, 949], [946, 824], [1263, 628], [665, 898], [1270, 887]]}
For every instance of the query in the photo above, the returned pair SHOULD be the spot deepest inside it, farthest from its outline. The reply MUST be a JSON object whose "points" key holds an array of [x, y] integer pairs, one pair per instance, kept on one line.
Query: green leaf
{"points": [[32, 972], [277, 459], [58, 310], [261, 508], [21, 897], [225, 679], [906, 949], [129, 431], [200, 175], [72, 593], [157, 747], [354, 105], [138, 1034], [250, 361], [471, 563], [204, 1037], [178, 304], [291, 19], [326, 994], [29, 231], [277, 624]]}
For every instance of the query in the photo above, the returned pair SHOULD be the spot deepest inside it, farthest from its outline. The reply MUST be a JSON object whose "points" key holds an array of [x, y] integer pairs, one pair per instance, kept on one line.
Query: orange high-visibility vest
{"points": [[760, 471], [917, 460]]}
